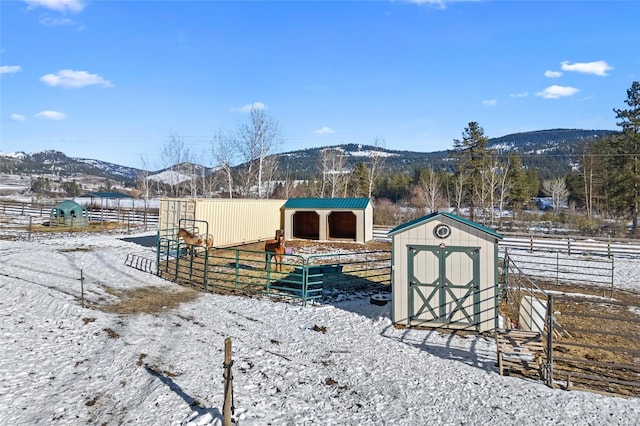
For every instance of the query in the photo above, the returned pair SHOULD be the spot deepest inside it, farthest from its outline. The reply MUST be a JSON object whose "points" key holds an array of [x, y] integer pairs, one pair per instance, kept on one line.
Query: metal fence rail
{"points": [[132, 216], [247, 271], [570, 246], [561, 268], [589, 341], [599, 346]]}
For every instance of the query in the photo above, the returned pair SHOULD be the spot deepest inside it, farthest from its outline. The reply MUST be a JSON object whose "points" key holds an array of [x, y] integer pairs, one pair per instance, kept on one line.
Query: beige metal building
{"points": [[445, 273], [229, 221], [329, 219]]}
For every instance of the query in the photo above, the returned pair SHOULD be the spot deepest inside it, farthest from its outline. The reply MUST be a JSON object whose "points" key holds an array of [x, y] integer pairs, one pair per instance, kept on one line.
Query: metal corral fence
{"points": [[239, 270], [558, 267], [568, 246], [587, 341], [571, 246]]}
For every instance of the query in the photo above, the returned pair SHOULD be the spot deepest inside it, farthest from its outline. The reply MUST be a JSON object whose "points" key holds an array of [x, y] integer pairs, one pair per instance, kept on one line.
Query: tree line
{"points": [[602, 183]]}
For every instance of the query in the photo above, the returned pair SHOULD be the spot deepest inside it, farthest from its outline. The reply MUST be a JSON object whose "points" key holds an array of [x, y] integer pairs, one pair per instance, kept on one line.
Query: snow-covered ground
{"points": [[61, 363]]}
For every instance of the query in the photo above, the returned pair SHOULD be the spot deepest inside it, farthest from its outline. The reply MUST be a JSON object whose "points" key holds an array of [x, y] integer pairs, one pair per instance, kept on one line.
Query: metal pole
{"points": [[612, 274]]}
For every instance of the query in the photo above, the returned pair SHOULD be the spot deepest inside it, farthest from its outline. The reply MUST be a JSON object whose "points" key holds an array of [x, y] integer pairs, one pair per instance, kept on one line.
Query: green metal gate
{"points": [[444, 284]]}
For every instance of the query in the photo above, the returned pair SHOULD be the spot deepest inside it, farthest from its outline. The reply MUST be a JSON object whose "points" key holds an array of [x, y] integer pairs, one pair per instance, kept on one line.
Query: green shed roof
{"points": [[68, 205], [432, 216], [327, 203]]}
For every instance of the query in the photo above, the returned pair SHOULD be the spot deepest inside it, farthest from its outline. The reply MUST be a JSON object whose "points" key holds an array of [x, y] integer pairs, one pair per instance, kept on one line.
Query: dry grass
{"points": [[150, 300], [91, 227]]}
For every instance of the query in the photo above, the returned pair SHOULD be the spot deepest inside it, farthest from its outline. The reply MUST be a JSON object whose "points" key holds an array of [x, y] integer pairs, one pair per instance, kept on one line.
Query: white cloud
{"points": [[555, 92], [10, 69], [324, 131], [490, 102], [437, 3], [73, 6], [51, 115], [552, 74], [249, 107], [49, 21], [519, 95], [74, 79], [17, 117], [597, 68]]}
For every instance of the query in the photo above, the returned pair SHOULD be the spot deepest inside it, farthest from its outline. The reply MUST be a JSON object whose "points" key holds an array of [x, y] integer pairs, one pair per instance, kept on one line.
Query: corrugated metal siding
{"points": [[231, 221], [327, 203]]}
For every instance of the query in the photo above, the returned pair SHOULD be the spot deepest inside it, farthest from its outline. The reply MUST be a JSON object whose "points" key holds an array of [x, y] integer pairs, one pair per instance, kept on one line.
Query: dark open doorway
{"points": [[342, 225], [306, 225]]}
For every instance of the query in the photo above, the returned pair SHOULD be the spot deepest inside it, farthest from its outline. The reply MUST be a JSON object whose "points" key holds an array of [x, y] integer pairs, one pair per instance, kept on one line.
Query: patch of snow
{"points": [[61, 363], [170, 177]]}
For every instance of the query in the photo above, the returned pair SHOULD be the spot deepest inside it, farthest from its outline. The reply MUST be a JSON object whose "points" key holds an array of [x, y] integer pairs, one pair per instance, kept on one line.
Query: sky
{"points": [[65, 364], [114, 80]]}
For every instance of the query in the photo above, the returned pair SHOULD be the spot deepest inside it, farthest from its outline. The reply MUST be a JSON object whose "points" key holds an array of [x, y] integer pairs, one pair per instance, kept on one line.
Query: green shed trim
{"points": [[432, 216], [327, 203]]}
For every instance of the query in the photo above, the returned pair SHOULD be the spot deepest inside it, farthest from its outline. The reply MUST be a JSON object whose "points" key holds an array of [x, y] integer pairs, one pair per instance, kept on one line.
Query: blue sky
{"points": [[112, 80]]}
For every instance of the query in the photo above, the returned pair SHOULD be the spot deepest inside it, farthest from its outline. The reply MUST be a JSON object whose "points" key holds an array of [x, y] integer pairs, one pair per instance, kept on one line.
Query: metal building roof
{"points": [[431, 216], [114, 195], [327, 203], [68, 205]]}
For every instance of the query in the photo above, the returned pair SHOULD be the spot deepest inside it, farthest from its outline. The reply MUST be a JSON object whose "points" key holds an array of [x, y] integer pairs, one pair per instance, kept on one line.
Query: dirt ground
{"points": [[597, 343]]}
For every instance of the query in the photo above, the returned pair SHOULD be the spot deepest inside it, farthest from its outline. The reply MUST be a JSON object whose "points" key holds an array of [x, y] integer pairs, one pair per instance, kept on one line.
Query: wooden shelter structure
{"points": [[329, 219]]}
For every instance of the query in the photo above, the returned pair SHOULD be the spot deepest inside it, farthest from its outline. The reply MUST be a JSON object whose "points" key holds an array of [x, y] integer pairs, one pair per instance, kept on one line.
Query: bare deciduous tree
{"points": [[375, 164], [223, 153], [256, 141], [174, 154], [334, 174], [557, 190], [142, 181]]}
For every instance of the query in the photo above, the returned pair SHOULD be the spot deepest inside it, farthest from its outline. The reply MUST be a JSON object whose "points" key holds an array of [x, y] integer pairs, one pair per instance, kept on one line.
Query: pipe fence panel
{"points": [[247, 271], [590, 340]]}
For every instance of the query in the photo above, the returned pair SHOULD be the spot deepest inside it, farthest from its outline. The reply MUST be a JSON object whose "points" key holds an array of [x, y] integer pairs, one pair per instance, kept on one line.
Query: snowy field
{"points": [[63, 364]]}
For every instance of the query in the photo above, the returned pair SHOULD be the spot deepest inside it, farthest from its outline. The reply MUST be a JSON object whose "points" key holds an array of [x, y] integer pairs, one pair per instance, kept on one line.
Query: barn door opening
{"points": [[443, 285], [342, 225], [306, 225]]}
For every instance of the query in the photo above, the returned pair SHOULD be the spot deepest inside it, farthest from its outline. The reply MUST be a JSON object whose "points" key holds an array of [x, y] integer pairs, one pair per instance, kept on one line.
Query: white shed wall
{"points": [[462, 235]]}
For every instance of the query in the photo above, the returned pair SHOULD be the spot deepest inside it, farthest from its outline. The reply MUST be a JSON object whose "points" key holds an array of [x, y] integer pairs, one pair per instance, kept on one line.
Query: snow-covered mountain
{"points": [[57, 163]]}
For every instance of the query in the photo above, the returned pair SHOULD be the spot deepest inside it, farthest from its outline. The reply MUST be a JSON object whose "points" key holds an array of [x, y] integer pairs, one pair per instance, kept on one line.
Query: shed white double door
{"points": [[443, 285]]}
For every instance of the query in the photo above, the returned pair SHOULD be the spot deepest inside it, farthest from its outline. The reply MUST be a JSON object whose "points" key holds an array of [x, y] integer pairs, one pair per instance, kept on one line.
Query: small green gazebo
{"points": [[69, 213]]}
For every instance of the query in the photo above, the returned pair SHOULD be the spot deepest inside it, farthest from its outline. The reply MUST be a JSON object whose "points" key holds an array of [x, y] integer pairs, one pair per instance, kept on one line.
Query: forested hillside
{"points": [[550, 152]]}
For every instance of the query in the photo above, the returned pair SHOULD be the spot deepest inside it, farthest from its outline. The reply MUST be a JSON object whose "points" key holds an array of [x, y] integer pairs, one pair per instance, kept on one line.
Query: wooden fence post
{"points": [[227, 408], [550, 329]]}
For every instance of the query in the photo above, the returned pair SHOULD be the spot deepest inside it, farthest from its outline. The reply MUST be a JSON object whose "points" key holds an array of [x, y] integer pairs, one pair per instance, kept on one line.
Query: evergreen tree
{"points": [[359, 182], [473, 163], [519, 193], [627, 158]]}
